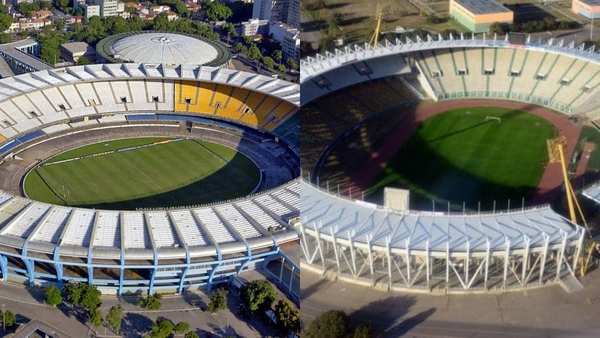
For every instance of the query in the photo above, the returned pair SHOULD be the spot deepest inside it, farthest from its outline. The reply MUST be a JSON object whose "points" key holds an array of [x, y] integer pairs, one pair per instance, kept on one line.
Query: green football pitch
{"points": [[143, 173], [474, 155]]}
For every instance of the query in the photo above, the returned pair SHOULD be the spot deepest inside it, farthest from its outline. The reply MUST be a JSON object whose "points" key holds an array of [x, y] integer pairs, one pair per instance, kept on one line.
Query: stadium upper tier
{"points": [[34, 100], [563, 77]]}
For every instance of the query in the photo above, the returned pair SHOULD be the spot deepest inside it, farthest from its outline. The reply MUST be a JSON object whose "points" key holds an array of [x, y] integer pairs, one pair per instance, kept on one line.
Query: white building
{"points": [[288, 37], [108, 7], [91, 10], [253, 27]]}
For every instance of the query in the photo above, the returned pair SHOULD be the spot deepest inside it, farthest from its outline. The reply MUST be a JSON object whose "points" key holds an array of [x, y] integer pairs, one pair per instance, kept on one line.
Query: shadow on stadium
{"points": [[353, 166]]}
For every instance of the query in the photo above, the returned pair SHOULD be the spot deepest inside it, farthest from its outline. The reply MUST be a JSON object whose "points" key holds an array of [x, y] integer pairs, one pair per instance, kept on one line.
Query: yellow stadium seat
{"points": [[205, 98], [221, 101], [2, 138]]}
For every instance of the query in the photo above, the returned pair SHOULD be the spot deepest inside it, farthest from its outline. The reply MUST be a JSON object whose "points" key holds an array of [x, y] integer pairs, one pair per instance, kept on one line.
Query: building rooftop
{"points": [[165, 48], [76, 47], [482, 6]]}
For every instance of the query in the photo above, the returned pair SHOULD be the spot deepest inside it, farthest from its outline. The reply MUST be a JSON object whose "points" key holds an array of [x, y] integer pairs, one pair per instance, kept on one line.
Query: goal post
{"points": [[493, 118]]}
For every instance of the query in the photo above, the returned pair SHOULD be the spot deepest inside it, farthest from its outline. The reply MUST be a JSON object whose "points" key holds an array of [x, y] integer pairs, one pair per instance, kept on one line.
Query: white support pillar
{"points": [[561, 255], [305, 244], [525, 261], [427, 263], [578, 250], [544, 257], [467, 263], [407, 255], [320, 249], [389, 262], [335, 250], [487, 263], [506, 260], [447, 265], [370, 253], [352, 255]]}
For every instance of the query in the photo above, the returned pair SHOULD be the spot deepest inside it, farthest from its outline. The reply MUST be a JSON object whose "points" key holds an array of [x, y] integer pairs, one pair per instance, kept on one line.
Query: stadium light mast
{"points": [[375, 38]]}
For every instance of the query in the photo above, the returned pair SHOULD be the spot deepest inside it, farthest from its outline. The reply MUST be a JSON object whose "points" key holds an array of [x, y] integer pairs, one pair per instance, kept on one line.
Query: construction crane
{"points": [[375, 37], [556, 154]]}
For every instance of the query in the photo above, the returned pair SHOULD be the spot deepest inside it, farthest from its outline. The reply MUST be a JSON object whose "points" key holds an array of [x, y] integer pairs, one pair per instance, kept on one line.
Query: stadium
{"points": [[463, 123], [145, 176]]}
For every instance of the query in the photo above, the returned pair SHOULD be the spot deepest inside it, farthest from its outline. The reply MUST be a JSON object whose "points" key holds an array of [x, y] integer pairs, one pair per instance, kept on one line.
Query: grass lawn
{"points": [[177, 173], [462, 156]]}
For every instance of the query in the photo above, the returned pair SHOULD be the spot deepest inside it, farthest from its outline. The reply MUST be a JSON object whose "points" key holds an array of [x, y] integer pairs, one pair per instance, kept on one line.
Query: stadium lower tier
{"points": [[419, 251]]}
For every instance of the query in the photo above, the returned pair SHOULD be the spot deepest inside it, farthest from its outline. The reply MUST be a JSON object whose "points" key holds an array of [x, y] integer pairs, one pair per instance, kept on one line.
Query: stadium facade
{"points": [[438, 250], [168, 249]]}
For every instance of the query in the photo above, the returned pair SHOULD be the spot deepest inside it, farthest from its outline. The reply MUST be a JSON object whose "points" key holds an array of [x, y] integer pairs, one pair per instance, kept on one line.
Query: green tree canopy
{"points": [[217, 300], [330, 324], [53, 296], [258, 295], [114, 317], [288, 318], [217, 11]]}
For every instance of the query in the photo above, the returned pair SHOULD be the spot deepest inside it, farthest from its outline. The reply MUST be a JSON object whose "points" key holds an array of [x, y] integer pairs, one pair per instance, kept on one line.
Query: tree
{"points": [[181, 327], [330, 324], [83, 61], [268, 62], [363, 331], [497, 28], [258, 295], [217, 300], [53, 296], [95, 317], [277, 55], [281, 68], [74, 292], [151, 302], [5, 20], [288, 318], [8, 319], [162, 328], [292, 64], [114, 318], [191, 334], [254, 53], [63, 4], [161, 22], [240, 48], [229, 30], [217, 11]]}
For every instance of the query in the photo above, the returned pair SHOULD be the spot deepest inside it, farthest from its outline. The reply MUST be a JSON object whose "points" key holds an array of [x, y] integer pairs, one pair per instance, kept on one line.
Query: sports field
{"points": [[143, 173], [471, 155]]}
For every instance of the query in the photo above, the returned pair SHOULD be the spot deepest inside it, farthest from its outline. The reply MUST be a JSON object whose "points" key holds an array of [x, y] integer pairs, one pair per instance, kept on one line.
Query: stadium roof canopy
{"points": [[165, 48], [591, 2], [482, 6], [593, 193], [362, 222]]}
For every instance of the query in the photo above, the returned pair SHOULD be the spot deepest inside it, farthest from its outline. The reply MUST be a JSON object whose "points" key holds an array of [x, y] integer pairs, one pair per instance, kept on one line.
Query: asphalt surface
{"points": [[545, 312]]}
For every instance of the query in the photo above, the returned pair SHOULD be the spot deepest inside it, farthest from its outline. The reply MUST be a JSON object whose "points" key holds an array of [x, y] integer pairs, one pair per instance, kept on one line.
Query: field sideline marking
{"points": [[112, 152]]}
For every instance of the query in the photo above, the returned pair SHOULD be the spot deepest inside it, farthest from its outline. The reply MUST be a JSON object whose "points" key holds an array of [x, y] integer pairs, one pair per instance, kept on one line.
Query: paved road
{"points": [[137, 321], [547, 312]]}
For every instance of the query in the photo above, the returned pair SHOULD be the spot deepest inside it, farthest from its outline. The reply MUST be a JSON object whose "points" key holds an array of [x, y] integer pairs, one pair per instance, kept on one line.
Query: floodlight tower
{"points": [[375, 37], [556, 154]]}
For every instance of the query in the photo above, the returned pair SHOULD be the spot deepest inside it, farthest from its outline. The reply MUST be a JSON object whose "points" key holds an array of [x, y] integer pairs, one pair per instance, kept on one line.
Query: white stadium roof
{"points": [[168, 48], [228, 225], [367, 223]]}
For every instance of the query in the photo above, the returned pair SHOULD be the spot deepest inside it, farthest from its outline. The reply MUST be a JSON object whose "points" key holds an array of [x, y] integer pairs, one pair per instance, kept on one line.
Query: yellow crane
{"points": [[378, 16], [556, 154]]}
